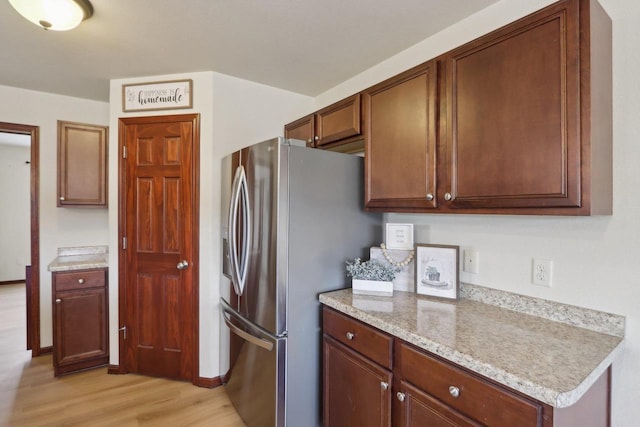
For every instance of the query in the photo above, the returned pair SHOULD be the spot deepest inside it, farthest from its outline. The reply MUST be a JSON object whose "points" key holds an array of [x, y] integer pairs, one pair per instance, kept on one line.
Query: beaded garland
{"points": [[393, 262]]}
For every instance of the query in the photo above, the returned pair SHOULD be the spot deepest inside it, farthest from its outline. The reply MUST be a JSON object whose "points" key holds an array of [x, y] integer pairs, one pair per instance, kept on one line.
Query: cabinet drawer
{"points": [[364, 339], [81, 279], [481, 400]]}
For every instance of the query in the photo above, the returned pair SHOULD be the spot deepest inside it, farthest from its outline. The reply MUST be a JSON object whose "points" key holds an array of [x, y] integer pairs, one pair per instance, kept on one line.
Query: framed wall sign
{"points": [[399, 236], [437, 270], [167, 95]]}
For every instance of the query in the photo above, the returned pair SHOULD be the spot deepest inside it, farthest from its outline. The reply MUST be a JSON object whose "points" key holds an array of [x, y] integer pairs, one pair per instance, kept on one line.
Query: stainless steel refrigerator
{"points": [[291, 218]]}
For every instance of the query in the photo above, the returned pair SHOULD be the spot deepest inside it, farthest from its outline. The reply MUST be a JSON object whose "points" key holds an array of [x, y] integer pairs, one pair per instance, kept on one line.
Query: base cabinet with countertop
{"points": [[374, 378], [80, 310], [357, 373]]}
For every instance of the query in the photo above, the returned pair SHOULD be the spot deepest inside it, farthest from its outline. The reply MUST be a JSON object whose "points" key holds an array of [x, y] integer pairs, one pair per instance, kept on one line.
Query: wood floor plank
{"points": [[31, 396]]}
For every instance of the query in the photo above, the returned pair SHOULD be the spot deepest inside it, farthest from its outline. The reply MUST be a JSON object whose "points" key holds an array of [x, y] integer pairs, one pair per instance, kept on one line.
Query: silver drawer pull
{"points": [[81, 281], [400, 396], [454, 391], [384, 385], [350, 336], [58, 300]]}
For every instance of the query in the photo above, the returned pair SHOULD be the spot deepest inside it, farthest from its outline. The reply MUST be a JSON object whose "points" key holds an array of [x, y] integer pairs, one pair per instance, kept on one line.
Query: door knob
{"points": [[182, 265]]}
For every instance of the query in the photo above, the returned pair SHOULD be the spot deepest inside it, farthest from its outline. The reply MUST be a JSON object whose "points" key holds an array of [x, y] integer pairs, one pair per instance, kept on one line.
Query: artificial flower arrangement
{"points": [[371, 277]]}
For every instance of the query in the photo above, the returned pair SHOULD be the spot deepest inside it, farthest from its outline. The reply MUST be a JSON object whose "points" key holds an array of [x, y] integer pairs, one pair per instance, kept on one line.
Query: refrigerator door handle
{"points": [[227, 312], [239, 264], [246, 230], [233, 211]]}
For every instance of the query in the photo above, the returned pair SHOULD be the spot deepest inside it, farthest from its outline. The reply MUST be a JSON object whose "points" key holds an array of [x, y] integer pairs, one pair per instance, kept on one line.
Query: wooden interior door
{"points": [[158, 223]]}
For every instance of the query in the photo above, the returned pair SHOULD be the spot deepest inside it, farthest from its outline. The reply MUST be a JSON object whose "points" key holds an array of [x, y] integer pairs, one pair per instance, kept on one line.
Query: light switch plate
{"points": [[471, 262]]}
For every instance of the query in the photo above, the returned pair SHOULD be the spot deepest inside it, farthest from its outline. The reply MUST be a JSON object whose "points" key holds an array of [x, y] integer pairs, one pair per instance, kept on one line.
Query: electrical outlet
{"points": [[471, 262], [542, 272]]}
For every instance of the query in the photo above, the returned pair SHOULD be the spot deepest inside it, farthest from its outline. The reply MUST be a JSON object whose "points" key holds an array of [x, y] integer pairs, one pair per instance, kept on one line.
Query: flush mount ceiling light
{"points": [[58, 15]]}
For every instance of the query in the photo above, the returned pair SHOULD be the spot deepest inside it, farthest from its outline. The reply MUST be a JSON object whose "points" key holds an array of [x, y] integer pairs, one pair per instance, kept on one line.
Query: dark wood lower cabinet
{"points": [[357, 392], [417, 408], [360, 363], [80, 319]]}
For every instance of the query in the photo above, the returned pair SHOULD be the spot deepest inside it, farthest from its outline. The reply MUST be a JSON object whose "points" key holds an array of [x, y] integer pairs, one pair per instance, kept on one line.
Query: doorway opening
{"points": [[32, 271]]}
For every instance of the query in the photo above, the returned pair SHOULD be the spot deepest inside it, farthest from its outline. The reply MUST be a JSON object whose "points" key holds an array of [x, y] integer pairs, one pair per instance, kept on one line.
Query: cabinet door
{"points": [[400, 141], [513, 115], [301, 129], [80, 330], [338, 121], [82, 164], [357, 392], [415, 408]]}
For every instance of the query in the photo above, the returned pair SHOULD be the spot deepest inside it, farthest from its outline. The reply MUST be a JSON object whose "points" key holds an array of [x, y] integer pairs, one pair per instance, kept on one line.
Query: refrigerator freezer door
{"points": [[255, 381]]}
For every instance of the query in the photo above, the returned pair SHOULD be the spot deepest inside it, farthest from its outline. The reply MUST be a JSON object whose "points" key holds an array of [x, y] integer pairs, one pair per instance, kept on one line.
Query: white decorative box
{"points": [[405, 278], [372, 287]]}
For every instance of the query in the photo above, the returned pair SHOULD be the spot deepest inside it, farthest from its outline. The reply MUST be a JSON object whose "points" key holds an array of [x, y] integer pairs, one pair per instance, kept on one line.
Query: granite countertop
{"points": [[80, 258], [550, 351]]}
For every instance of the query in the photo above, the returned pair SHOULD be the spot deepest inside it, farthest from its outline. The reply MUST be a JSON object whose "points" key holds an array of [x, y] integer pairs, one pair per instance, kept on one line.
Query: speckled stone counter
{"points": [[550, 351], [80, 258]]}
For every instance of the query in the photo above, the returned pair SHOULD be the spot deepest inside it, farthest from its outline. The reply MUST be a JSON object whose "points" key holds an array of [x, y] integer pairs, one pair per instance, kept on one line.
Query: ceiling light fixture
{"points": [[58, 15]]}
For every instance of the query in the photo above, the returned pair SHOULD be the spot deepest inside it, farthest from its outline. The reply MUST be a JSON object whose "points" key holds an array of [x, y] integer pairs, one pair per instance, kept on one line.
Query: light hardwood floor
{"points": [[31, 396]]}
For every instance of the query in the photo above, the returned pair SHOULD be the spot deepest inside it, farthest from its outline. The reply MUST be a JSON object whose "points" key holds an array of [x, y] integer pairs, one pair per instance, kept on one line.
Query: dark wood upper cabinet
{"points": [[82, 164], [518, 115], [400, 140], [303, 129], [338, 121], [522, 124], [336, 127]]}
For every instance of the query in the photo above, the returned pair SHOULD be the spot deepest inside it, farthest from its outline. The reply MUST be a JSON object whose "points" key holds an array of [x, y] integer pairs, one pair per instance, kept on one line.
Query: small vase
{"points": [[372, 287]]}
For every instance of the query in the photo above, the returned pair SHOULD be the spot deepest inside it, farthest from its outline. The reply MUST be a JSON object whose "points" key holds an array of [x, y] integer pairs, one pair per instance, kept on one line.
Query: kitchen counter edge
{"points": [[531, 387]]}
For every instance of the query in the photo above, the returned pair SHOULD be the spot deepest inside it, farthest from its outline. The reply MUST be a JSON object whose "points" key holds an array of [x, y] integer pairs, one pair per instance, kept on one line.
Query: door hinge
{"points": [[124, 151], [124, 243], [124, 332]]}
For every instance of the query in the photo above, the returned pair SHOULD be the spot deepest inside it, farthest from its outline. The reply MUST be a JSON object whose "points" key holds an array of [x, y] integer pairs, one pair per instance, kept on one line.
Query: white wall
{"points": [[58, 226], [15, 211], [595, 258], [233, 113]]}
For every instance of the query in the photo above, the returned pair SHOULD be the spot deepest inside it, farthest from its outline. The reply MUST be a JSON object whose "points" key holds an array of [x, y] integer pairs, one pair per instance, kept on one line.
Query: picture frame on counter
{"points": [[163, 95], [399, 236], [437, 268]]}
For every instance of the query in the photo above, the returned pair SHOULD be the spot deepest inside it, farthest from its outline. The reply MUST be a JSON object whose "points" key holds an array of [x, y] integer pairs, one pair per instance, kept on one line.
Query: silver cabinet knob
{"points": [[350, 336], [429, 197], [81, 281], [448, 197], [317, 138], [454, 391], [58, 300], [62, 198], [384, 385], [182, 265], [400, 396], [309, 141]]}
